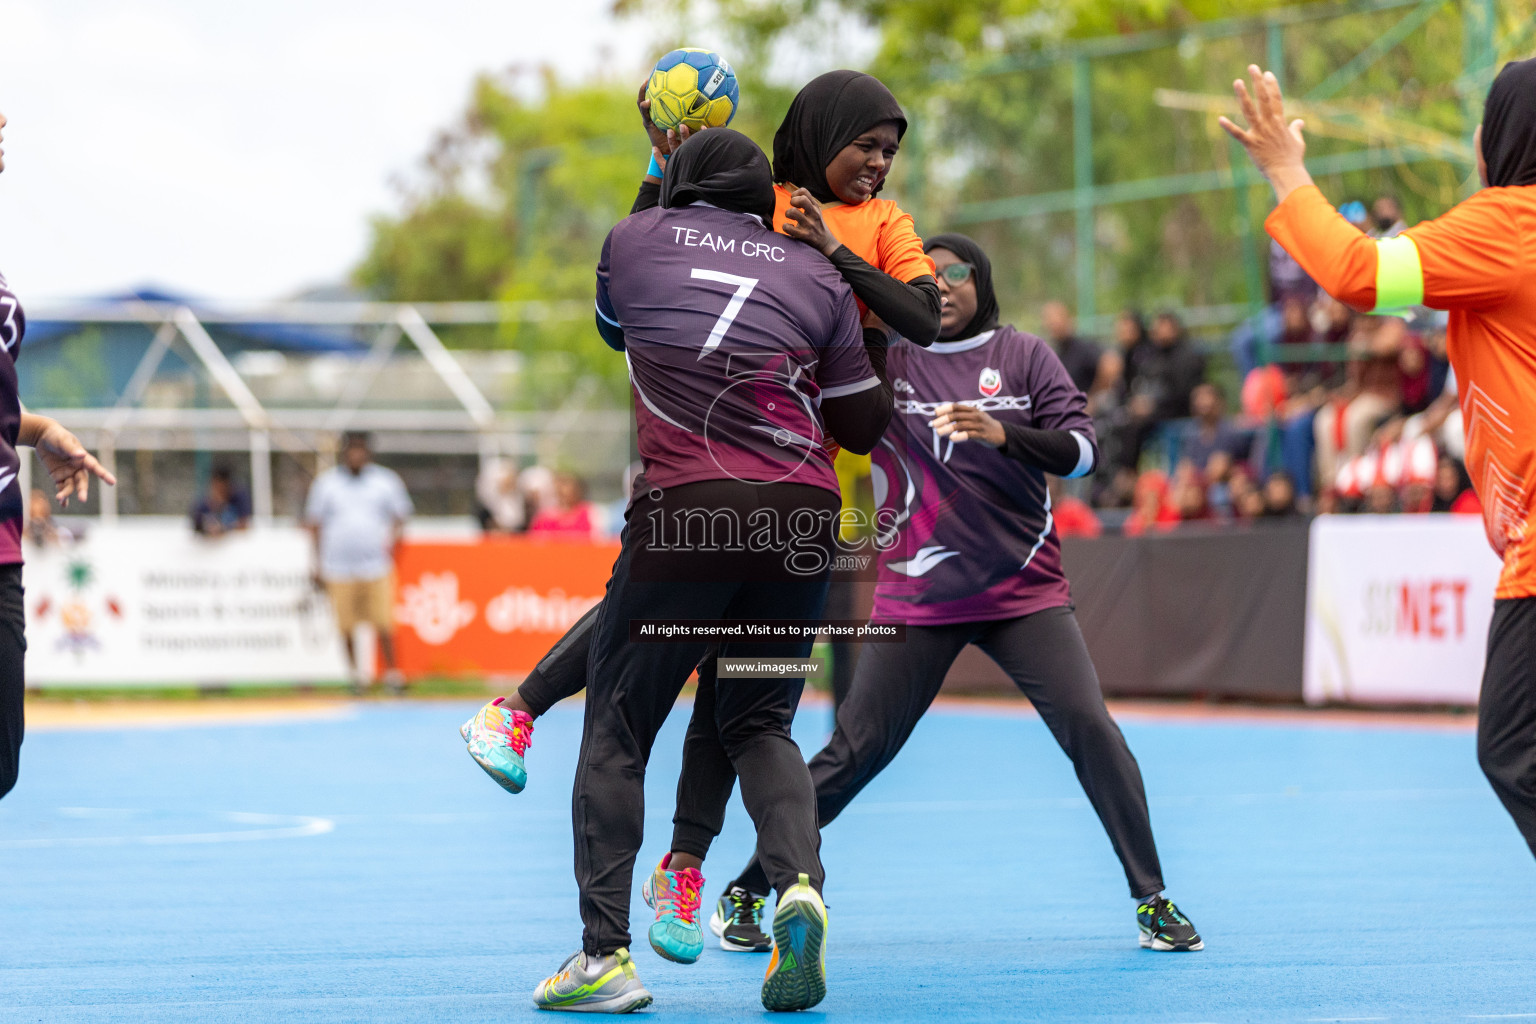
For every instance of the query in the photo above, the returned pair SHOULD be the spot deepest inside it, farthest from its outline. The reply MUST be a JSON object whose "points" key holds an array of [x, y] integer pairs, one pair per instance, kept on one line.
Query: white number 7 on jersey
{"points": [[744, 286]]}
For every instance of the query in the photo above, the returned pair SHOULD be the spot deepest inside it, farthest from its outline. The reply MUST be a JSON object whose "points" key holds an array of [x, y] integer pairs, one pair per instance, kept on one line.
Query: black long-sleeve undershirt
{"points": [[856, 421], [649, 196], [909, 308], [611, 333], [1054, 451]]}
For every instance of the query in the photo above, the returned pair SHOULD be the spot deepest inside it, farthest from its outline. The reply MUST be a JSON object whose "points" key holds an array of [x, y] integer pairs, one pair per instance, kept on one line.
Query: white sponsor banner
{"points": [[1397, 609], [155, 604]]}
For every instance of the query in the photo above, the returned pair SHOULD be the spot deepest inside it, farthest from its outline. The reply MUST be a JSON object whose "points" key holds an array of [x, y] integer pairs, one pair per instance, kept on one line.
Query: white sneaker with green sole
{"points": [[593, 984]]}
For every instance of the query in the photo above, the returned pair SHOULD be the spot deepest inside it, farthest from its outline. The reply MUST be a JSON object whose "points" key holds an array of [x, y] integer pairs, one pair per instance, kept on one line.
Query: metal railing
{"points": [[471, 426]]}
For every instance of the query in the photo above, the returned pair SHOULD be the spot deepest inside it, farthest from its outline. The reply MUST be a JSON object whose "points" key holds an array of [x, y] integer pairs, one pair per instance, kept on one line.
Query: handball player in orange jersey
{"points": [[1477, 260], [831, 157]]}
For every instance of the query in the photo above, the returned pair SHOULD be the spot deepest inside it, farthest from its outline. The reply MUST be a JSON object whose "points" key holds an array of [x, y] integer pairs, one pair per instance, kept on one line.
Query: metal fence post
{"points": [[106, 454], [261, 477], [1082, 181]]}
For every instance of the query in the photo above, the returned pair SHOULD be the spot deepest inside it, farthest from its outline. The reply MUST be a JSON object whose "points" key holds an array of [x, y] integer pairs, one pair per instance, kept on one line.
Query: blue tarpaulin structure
{"points": [[74, 359]]}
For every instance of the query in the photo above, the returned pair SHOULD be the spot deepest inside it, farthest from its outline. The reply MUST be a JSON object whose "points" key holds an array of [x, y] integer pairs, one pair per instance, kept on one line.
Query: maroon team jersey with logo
{"points": [[13, 324], [970, 531], [734, 334]]}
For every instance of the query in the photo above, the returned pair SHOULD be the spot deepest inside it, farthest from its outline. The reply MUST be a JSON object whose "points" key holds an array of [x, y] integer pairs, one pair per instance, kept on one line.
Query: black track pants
{"points": [[631, 687], [1506, 711], [563, 671], [13, 650], [894, 685]]}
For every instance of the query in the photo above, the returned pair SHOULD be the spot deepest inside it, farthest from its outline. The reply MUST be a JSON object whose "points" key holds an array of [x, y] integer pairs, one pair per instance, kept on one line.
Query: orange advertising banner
{"points": [[493, 606]]}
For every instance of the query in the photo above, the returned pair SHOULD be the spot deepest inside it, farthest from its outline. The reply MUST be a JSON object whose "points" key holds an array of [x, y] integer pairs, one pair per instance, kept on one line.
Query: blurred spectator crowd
{"points": [[1308, 408], [538, 502], [1327, 411]]}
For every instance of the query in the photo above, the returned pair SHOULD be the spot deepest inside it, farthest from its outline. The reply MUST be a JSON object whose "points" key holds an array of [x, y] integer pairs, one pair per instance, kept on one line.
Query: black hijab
{"points": [[981, 272], [830, 112], [1463, 482], [721, 167], [1509, 125]]}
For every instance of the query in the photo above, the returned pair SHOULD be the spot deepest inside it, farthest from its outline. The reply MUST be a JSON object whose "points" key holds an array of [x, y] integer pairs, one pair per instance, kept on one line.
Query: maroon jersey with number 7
{"points": [[734, 334]]}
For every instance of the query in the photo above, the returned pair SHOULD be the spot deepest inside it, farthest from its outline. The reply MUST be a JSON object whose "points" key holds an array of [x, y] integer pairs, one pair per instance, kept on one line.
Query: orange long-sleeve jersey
{"points": [[877, 231], [1478, 261], [883, 235]]}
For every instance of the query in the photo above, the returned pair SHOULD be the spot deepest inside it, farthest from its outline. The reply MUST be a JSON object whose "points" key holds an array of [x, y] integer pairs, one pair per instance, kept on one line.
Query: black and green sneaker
{"points": [[1164, 929], [738, 921]]}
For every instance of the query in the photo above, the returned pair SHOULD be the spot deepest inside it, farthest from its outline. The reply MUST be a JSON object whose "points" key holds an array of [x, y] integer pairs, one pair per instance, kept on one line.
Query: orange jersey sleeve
{"points": [[780, 208], [899, 251], [1469, 258], [877, 231], [1333, 252]]}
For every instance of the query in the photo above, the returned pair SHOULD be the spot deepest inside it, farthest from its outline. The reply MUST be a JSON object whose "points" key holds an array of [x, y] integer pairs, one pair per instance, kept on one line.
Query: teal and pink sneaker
{"points": [[497, 738], [674, 895]]}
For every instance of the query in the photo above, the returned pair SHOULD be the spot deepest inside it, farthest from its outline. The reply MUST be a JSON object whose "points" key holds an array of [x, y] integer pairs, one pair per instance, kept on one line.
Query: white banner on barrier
{"points": [[139, 604], [1397, 609]]}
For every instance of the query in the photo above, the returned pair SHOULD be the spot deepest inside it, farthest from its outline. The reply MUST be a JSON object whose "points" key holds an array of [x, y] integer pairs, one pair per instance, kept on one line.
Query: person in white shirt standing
{"points": [[356, 512]]}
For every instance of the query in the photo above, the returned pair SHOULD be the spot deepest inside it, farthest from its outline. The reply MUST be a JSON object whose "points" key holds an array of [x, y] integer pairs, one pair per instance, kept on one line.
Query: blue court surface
{"points": [[363, 868]]}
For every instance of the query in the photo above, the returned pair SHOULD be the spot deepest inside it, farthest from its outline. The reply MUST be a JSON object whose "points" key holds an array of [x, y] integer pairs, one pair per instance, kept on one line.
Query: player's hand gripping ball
{"points": [[692, 87]]}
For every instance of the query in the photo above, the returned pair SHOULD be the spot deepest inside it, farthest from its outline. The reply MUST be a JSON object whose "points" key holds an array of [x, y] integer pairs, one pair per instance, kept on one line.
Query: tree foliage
{"points": [[514, 206], [982, 132], [518, 196]]}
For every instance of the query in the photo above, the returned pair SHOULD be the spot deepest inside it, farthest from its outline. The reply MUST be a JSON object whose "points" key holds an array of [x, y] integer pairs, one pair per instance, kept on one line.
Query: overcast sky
{"points": [[236, 150]]}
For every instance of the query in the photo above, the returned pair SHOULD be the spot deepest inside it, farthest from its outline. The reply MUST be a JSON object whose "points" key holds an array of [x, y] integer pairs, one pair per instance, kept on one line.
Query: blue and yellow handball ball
{"points": [[692, 87]]}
